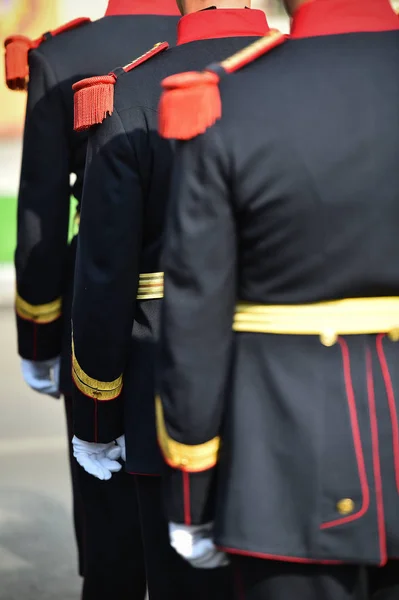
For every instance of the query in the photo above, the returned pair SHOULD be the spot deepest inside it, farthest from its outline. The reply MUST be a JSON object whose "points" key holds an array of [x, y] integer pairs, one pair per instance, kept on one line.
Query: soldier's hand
{"points": [[43, 376], [99, 460], [195, 544]]}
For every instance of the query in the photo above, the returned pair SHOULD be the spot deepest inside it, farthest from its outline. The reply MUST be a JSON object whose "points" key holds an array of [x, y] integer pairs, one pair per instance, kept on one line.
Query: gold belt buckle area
{"points": [[150, 286], [329, 338], [327, 320]]}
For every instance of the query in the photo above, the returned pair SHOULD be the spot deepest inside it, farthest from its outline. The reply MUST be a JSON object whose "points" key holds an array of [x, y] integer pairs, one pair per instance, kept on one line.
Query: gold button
{"points": [[394, 334], [328, 338], [345, 506], [184, 462]]}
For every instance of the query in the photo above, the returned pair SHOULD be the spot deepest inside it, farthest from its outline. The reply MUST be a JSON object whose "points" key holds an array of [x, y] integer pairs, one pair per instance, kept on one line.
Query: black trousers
{"points": [[108, 533], [169, 576], [257, 579]]}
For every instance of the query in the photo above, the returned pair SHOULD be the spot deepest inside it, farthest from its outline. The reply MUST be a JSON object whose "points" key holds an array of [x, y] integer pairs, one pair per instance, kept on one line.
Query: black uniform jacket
{"points": [[122, 222], [52, 152], [292, 198]]}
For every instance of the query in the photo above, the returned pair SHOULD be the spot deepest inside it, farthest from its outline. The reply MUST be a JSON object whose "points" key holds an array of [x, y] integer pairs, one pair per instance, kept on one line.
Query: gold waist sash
{"points": [[150, 286], [353, 316]]}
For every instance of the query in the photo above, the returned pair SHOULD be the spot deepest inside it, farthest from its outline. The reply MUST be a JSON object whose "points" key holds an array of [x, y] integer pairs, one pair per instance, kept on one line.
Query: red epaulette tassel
{"points": [[189, 105], [93, 100], [16, 61]]}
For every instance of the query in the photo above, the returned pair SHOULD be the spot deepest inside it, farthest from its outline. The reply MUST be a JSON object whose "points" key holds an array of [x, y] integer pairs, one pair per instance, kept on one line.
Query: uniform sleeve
{"points": [[196, 340], [43, 216], [106, 281]]}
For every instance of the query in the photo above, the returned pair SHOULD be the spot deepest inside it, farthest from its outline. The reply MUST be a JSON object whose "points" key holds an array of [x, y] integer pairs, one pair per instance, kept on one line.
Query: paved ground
{"points": [[37, 555]]}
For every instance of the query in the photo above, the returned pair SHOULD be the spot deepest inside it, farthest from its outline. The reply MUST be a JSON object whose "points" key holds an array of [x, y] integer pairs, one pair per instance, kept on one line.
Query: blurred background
{"points": [[37, 555]]}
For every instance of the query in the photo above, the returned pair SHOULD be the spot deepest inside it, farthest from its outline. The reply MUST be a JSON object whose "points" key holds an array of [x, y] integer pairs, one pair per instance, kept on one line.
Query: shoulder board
{"points": [[191, 103], [16, 53], [94, 96]]}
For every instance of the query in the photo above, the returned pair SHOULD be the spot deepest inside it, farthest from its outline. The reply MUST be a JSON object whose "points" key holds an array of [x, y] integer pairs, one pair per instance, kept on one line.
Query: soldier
{"points": [[122, 222], [279, 382], [106, 517]]}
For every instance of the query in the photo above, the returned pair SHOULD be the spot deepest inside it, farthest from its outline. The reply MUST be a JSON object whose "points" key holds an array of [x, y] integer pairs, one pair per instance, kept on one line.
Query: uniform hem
{"points": [[139, 474], [285, 556]]}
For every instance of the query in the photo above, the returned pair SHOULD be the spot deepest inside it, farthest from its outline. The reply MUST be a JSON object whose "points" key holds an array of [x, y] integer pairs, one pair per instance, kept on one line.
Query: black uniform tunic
{"points": [[122, 222], [52, 152], [291, 198], [106, 517]]}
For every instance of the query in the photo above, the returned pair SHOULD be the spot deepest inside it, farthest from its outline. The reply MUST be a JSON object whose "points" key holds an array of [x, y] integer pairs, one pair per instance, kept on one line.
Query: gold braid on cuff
{"points": [[98, 390], [193, 459], [150, 286], [38, 313]]}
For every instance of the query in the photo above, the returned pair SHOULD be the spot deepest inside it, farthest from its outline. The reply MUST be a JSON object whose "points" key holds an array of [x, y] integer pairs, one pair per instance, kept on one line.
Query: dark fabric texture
{"points": [[169, 576], [53, 151], [122, 225], [108, 533], [77, 504], [257, 579], [292, 197], [66, 348], [189, 497], [106, 519]]}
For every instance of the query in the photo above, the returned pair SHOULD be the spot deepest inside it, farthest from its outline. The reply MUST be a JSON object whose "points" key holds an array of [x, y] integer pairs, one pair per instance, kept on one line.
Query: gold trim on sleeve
{"points": [[99, 390], [38, 313], [181, 456], [150, 286]]}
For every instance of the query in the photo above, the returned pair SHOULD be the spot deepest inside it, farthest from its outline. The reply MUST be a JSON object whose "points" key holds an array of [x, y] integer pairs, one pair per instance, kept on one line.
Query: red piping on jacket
{"points": [[143, 474], [376, 461], [239, 580], [290, 559], [186, 498], [95, 421], [392, 403], [357, 441]]}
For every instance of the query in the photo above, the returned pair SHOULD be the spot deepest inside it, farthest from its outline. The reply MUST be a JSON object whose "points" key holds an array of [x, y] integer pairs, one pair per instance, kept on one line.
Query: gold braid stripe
{"points": [[248, 53], [150, 286], [180, 456], [130, 65], [39, 313], [351, 316], [99, 390]]}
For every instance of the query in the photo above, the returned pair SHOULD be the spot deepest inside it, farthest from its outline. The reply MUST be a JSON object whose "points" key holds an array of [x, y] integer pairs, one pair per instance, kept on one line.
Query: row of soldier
{"points": [[237, 436]]}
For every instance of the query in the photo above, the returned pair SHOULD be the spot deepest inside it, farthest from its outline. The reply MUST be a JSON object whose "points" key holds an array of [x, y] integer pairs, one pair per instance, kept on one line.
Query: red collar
{"points": [[333, 17], [221, 23], [141, 7]]}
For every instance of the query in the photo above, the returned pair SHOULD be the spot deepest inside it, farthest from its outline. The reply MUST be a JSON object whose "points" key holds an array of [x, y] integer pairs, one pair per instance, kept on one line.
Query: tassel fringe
{"points": [[16, 62], [189, 105], [93, 101]]}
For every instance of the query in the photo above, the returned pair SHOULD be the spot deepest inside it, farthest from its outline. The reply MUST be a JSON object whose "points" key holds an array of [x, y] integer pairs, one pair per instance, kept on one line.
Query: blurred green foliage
{"points": [[8, 233], [8, 227]]}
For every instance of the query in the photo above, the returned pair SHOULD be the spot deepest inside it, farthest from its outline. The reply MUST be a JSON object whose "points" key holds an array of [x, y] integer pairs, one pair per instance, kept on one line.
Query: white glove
{"points": [[195, 544], [100, 460], [43, 376]]}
